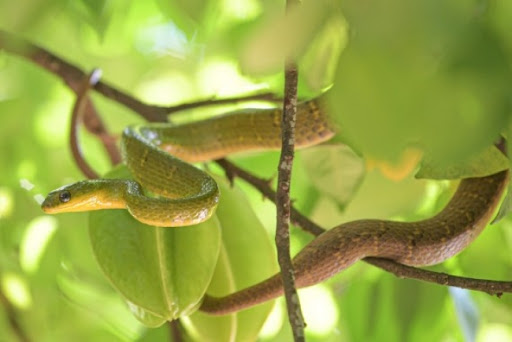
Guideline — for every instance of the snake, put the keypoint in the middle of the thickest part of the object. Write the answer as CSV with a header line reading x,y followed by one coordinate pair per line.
x,y
170,192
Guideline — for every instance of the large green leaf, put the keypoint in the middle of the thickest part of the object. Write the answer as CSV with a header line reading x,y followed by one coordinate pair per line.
x,y
248,258
426,74
162,272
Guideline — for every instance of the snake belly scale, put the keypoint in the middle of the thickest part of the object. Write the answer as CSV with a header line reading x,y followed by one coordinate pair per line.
x,y
187,195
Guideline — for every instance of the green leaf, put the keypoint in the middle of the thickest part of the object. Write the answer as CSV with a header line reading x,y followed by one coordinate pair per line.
x,y
506,205
187,15
334,170
420,74
485,163
163,272
249,258
206,328
98,13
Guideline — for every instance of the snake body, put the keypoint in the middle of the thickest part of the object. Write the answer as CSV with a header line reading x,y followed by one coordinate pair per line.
x,y
420,243
187,195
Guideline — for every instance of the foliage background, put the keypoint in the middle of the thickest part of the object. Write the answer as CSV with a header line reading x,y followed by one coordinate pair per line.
x,y
427,74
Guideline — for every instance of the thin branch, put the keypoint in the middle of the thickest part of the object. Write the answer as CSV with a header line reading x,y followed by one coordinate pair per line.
x,y
76,119
73,77
270,97
94,125
175,331
263,186
491,287
283,204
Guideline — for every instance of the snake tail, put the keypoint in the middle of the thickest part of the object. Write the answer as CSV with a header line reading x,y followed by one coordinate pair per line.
x,y
420,243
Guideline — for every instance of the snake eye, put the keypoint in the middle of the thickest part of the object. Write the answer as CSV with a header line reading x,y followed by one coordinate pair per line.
x,y
65,196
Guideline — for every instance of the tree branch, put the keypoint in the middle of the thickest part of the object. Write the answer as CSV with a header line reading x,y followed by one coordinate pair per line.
x,y
73,77
175,331
263,186
492,287
94,125
289,118
76,119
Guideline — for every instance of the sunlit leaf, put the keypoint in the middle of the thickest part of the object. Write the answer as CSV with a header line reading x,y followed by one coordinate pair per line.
x,y
489,161
163,271
318,65
283,36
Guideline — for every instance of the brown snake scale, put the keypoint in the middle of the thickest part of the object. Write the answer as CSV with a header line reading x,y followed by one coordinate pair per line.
x,y
420,243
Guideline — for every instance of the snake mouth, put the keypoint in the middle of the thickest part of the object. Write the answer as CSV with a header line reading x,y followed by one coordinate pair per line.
x,y
47,207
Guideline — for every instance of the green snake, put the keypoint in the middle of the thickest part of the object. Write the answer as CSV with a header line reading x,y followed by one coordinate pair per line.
x,y
187,195
155,156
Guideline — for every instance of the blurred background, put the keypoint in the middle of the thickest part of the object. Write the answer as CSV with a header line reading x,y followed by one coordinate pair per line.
x,y
407,79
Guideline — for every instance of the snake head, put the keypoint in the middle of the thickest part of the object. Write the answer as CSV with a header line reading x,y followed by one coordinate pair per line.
x,y
81,196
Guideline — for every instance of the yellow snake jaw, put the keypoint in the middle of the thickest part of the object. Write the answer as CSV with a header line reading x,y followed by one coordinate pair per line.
x,y
87,195
411,243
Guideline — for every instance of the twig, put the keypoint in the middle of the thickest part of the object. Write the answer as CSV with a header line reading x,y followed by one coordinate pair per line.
x,y
175,331
491,287
283,198
263,186
76,118
94,125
